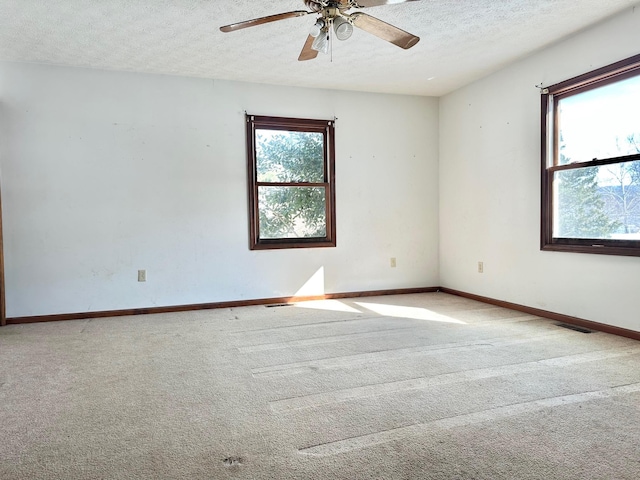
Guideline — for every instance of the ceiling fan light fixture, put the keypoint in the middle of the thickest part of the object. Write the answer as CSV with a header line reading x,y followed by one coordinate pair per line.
x,y
321,42
343,28
316,28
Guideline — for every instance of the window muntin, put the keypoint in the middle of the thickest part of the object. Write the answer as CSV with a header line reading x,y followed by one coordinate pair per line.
x,y
291,182
591,162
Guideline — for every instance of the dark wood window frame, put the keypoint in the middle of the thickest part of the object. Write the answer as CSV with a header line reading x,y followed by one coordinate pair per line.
x,y
327,128
3,310
615,72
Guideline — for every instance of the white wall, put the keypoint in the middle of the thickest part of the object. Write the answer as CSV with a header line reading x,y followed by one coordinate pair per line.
x,y
105,173
490,188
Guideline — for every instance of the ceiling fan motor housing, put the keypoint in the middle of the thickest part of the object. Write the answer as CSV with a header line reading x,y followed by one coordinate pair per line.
x,y
320,5
313,5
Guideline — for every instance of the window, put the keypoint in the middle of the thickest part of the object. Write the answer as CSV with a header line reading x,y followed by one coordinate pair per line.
x,y
591,162
291,182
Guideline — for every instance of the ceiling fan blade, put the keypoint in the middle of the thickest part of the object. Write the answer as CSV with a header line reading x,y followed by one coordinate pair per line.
x,y
376,3
307,52
262,20
384,30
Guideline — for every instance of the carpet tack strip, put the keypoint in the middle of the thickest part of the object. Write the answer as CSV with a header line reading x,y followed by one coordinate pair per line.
x,y
390,388
490,415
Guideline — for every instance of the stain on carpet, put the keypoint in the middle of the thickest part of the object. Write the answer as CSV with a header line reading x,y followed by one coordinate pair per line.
x,y
233,461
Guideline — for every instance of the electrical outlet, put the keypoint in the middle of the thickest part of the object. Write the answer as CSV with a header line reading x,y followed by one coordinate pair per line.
x,y
480,267
142,275
392,262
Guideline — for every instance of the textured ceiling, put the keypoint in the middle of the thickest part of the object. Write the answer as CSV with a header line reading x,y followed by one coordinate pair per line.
x,y
461,40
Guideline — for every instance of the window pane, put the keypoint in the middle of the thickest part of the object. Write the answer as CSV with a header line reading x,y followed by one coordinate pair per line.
x,y
286,156
292,212
600,123
598,202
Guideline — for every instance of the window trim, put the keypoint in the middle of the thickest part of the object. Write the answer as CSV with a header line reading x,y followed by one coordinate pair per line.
x,y
600,77
327,128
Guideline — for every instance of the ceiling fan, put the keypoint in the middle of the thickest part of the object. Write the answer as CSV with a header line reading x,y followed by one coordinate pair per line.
x,y
333,14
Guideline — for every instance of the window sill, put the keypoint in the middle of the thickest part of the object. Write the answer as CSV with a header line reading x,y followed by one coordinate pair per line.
x,y
598,250
278,244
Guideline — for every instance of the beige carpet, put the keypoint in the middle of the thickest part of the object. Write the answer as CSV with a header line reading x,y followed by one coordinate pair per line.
x,y
427,386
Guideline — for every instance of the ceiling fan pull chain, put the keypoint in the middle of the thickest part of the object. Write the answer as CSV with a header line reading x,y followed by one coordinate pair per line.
x,y
331,37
